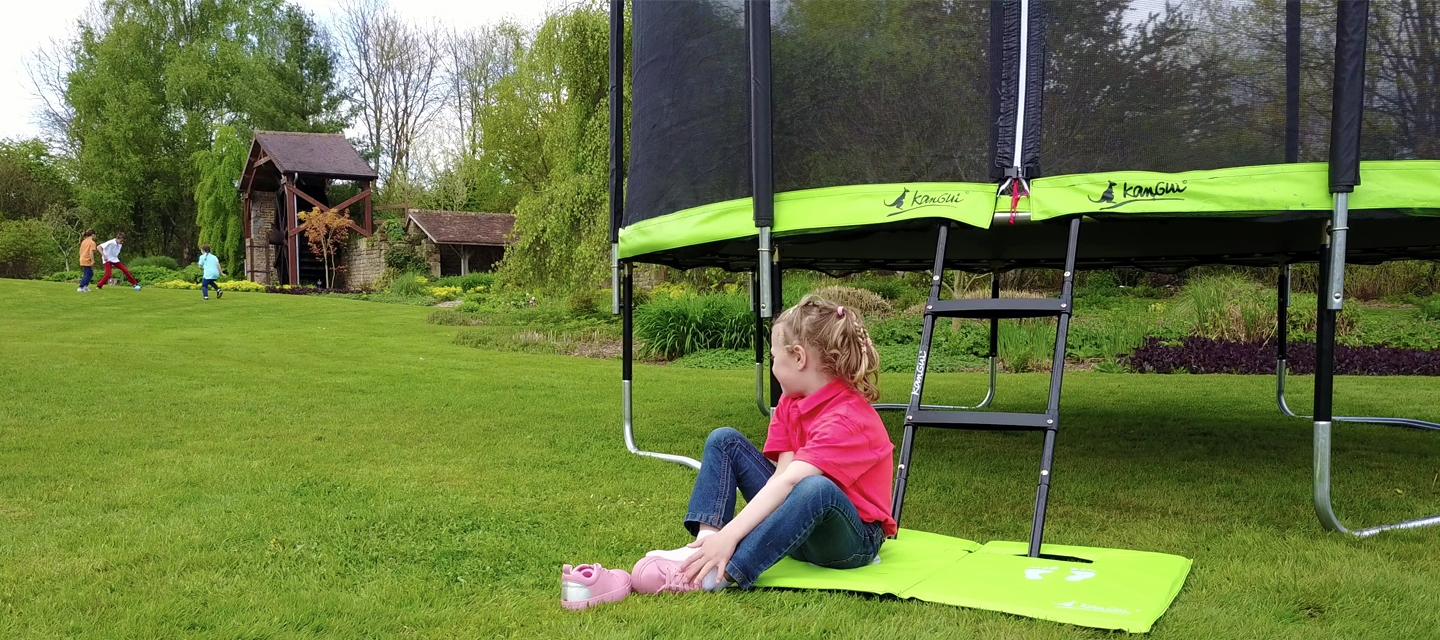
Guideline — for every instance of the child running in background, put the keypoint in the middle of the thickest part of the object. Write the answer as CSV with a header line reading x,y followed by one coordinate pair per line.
x,y
110,251
210,272
87,259
819,492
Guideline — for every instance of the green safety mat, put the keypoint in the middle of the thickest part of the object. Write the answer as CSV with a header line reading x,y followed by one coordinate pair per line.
x,y
1086,586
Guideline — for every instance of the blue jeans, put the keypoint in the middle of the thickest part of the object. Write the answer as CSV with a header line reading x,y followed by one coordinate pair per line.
x,y
210,282
89,274
816,523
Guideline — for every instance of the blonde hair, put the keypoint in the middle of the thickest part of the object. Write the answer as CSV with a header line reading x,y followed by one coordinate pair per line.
x,y
836,335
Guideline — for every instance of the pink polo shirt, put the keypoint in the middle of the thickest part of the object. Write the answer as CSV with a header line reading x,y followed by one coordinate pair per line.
x,y
838,431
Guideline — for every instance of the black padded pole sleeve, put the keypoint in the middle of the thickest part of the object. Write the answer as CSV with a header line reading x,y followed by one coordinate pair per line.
x,y
1292,80
617,62
1348,101
1005,46
762,177
1034,88
627,321
997,80
1324,345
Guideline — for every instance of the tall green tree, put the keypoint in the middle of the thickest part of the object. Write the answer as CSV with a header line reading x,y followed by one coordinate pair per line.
x,y
217,202
32,181
548,136
153,79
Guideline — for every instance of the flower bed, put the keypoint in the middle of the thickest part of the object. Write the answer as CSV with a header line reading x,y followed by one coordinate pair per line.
x,y
1204,355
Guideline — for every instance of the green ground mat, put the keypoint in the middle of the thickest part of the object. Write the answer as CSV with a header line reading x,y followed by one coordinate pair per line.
x,y
1101,588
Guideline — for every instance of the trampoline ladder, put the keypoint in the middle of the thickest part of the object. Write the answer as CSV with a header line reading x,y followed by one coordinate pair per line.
x,y
919,415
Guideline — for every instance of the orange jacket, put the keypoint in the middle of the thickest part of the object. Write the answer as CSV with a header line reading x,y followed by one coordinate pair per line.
x,y
87,248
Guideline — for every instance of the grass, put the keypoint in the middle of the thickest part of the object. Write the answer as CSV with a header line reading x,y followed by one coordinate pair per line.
x,y
273,466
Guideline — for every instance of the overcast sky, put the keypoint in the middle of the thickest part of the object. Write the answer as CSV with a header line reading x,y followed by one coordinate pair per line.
x,y
31,24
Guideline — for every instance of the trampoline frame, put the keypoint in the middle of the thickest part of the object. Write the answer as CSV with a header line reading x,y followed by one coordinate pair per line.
x,y
1347,105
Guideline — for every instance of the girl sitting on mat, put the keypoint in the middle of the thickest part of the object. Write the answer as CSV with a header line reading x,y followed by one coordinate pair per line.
x,y
819,492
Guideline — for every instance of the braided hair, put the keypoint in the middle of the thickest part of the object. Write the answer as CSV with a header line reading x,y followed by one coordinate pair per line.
x,y
837,336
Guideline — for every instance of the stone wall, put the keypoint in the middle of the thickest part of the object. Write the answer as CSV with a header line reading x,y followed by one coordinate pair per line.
x,y
260,254
364,261
431,251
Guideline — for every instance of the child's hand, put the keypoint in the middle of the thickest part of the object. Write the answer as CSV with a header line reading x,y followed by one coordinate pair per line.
x,y
715,551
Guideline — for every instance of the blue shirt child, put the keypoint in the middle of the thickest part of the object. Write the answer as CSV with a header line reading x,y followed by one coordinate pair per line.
x,y
211,266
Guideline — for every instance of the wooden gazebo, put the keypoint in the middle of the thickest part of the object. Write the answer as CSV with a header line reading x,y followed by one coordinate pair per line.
x,y
286,173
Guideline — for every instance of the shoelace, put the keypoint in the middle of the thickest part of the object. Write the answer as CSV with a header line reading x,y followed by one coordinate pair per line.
x,y
675,581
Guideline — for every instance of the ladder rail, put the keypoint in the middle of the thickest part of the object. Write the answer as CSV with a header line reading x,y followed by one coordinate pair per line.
x,y
1057,376
902,469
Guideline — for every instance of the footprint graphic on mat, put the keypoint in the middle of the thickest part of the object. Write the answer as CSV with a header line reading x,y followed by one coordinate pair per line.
x,y
1077,575
1036,573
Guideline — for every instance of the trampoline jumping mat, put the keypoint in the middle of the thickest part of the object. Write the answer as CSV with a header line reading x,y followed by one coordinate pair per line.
x,y
1085,586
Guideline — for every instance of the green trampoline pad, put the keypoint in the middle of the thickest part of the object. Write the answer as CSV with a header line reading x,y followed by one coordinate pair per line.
x,y
1085,586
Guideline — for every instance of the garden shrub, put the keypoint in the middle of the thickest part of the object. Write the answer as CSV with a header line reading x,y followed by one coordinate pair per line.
x,y
64,276
584,302
1429,307
443,293
149,275
892,331
890,288
469,281
718,359
241,285
180,284
164,262
25,249
869,304
1226,306
469,306
409,284
674,327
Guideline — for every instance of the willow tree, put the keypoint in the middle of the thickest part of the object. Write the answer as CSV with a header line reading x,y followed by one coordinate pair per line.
x,y
548,135
217,202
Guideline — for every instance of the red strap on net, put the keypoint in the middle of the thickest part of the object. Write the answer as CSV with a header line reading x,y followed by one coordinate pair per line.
x,y
1015,198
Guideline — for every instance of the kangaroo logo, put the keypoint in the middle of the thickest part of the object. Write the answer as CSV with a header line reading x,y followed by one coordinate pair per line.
x,y
899,202
1109,196
1140,193
919,200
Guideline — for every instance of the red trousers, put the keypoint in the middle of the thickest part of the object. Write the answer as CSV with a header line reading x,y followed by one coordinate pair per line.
x,y
105,280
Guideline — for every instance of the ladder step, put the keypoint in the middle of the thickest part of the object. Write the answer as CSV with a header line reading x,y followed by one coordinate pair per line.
x,y
984,420
999,308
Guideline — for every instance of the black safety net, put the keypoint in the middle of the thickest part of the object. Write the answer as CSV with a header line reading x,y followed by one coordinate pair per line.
x,y
1402,69
876,91
690,136
1160,85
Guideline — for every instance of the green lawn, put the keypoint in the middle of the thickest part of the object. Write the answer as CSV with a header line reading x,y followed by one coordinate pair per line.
x,y
269,466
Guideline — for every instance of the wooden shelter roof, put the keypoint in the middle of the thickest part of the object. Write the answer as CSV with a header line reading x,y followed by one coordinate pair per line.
x,y
327,155
464,227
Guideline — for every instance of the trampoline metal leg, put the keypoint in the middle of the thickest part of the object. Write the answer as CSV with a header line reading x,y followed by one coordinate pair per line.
x,y
1330,300
628,412
1323,509
760,390
1280,367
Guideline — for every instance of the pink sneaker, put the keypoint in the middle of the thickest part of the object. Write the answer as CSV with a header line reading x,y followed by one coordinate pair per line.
x,y
590,584
658,574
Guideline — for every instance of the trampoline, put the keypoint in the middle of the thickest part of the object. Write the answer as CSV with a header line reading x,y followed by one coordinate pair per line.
x,y
994,135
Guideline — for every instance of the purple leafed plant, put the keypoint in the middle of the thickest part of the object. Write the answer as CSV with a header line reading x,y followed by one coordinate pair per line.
x,y
1257,357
